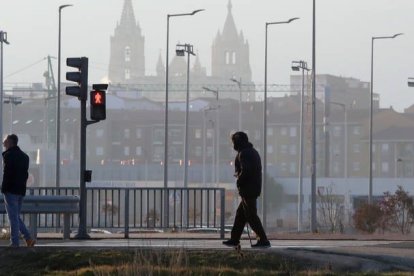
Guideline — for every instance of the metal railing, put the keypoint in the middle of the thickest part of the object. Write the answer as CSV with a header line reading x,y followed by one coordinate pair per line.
x,y
126,210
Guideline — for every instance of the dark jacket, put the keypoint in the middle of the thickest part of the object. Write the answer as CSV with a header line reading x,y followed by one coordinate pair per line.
x,y
248,169
15,171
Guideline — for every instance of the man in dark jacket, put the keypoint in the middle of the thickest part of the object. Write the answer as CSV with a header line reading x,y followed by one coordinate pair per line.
x,y
248,171
15,173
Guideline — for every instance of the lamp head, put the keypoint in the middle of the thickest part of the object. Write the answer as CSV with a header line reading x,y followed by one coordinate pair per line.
x,y
293,19
394,36
295,68
196,11
410,82
180,52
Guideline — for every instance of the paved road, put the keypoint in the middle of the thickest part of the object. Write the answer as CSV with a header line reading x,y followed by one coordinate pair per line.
x,y
207,243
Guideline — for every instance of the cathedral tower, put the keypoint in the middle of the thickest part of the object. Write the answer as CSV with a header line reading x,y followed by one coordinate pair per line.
x,y
127,60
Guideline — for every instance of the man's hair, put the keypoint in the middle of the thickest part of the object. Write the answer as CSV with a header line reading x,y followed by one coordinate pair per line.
x,y
13,138
240,136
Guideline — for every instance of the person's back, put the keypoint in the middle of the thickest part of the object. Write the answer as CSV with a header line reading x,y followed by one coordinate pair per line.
x,y
16,166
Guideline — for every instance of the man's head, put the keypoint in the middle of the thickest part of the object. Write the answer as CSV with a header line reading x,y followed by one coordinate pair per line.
x,y
10,141
240,140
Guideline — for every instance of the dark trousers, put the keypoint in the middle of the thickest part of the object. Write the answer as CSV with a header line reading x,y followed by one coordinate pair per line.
x,y
247,213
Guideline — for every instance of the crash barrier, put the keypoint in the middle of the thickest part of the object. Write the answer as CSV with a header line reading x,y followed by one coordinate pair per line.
x,y
134,210
35,205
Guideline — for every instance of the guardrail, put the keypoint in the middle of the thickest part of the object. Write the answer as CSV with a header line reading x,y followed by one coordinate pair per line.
x,y
126,210
48,204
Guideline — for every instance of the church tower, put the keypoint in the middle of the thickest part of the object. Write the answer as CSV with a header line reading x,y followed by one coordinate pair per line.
x,y
127,60
230,52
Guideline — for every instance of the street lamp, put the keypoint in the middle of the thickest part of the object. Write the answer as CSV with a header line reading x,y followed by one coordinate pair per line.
x,y
166,212
296,66
410,82
264,214
216,92
180,51
371,109
166,94
3,39
12,100
239,84
204,146
58,99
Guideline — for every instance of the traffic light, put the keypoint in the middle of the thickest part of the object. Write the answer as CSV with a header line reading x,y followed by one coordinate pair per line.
x,y
98,102
81,77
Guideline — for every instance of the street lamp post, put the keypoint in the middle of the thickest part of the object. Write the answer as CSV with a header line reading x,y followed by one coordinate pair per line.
x,y
371,109
180,51
296,66
58,99
313,222
239,84
166,212
216,92
264,176
3,39
204,145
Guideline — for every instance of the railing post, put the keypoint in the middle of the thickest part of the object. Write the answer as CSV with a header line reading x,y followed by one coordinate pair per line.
x,y
222,212
126,220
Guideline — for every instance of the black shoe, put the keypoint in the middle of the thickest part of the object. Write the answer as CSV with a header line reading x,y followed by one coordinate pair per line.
x,y
231,243
262,244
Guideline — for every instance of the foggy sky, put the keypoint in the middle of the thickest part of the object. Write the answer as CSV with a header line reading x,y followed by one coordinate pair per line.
x,y
344,31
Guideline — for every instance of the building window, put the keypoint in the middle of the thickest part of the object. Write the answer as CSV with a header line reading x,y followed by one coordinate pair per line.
x,y
283,131
356,166
127,74
126,151
138,150
99,132
337,131
227,57
292,168
292,131
127,54
283,149
284,167
269,149
269,131
209,151
292,149
385,147
138,133
126,133
357,130
198,151
385,167
234,57
356,148
99,151
198,133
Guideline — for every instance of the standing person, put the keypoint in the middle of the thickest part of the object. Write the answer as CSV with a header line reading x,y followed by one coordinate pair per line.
x,y
248,171
15,174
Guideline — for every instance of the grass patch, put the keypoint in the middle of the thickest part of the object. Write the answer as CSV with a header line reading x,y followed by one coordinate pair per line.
x,y
67,261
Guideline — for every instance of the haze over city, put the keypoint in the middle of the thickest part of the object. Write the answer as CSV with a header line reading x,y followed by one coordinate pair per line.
x,y
344,31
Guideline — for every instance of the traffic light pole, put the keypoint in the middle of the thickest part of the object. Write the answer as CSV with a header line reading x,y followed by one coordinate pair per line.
x,y
82,232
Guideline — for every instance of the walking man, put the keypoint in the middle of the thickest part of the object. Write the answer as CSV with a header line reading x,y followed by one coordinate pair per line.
x,y
248,171
15,174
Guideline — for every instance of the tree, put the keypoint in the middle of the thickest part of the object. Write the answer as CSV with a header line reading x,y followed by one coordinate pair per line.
x,y
331,210
368,218
398,210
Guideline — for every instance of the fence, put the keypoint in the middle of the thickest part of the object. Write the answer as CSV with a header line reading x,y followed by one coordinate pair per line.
x,y
133,209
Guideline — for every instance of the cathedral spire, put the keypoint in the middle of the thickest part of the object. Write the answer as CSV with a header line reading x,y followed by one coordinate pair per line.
x,y
229,29
128,17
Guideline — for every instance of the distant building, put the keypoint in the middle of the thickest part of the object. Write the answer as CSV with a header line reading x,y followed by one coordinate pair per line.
x,y
229,60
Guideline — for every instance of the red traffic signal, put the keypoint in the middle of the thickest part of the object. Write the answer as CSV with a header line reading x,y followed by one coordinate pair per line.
x,y
98,105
